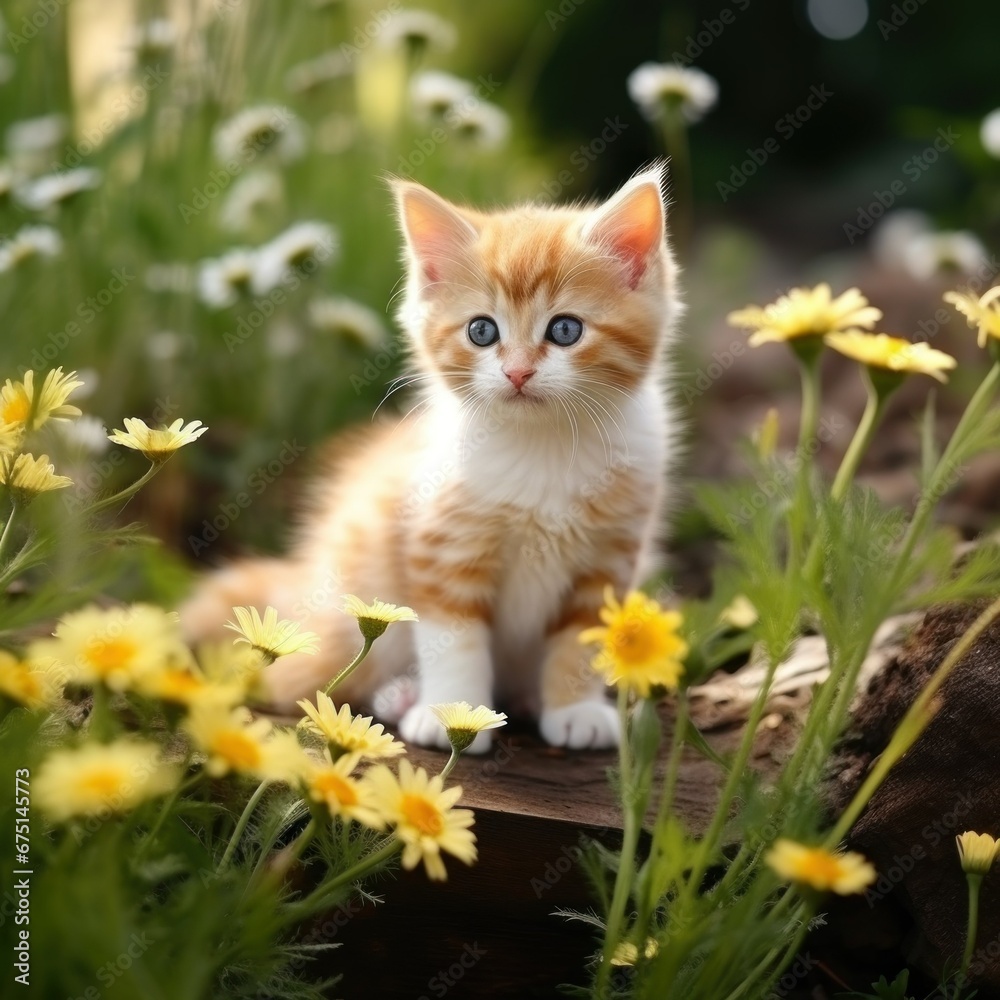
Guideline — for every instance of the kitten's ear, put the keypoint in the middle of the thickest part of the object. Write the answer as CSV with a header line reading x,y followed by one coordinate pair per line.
x,y
630,225
436,233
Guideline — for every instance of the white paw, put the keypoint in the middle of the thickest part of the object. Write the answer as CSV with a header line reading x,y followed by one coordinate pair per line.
x,y
392,700
421,726
584,725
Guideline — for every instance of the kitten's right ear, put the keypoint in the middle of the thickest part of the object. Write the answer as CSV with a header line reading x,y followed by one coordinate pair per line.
x,y
436,233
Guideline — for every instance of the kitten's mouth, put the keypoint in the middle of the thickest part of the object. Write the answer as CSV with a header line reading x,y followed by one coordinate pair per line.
x,y
522,398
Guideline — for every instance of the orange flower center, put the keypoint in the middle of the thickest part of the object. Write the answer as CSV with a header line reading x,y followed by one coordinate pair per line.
x,y
238,749
16,410
179,684
423,814
108,655
820,868
103,783
331,785
634,640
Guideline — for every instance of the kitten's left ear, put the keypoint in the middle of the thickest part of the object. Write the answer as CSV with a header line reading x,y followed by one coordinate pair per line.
x,y
436,233
630,225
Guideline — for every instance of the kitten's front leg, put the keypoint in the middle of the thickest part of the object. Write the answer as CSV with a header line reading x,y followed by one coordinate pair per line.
x,y
575,710
453,657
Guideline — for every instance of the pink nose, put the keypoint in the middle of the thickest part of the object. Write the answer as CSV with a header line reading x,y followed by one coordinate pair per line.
x,y
518,376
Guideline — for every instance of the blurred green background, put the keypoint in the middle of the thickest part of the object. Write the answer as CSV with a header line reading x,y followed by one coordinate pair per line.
x,y
123,174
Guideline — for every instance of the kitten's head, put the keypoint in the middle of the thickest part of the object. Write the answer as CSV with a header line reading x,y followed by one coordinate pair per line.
x,y
538,308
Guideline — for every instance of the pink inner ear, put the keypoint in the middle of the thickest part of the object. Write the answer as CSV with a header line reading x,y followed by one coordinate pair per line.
x,y
436,233
633,229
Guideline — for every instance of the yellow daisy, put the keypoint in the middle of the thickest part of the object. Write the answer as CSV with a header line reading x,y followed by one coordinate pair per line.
x,y
880,350
463,722
227,664
185,684
100,778
234,741
843,872
157,443
27,476
375,618
27,683
977,852
983,312
739,613
270,636
113,646
348,733
640,643
628,954
10,437
18,398
806,312
423,814
331,782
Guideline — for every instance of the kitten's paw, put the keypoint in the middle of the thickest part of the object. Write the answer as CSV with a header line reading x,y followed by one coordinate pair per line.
x,y
584,725
393,700
421,726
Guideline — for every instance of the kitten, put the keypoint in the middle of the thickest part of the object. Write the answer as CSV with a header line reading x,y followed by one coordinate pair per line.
x,y
530,476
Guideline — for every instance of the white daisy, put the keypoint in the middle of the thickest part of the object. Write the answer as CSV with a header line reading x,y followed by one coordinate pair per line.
x,y
483,124
29,242
53,189
415,31
314,73
891,238
652,85
222,280
433,93
989,133
265,129
35,135
344,317
250,196
928,253
303,245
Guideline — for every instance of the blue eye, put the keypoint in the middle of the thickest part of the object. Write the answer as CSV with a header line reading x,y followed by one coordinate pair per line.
x,y
483,331
564,330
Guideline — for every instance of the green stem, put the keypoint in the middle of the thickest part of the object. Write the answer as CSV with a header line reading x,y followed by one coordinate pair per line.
x,y
708,845
874,410
450,766
350,668
324,894
168,805
912,725
648,900
789,950
241,826
940,479
127,493
675,139
972,928
630,841
15,510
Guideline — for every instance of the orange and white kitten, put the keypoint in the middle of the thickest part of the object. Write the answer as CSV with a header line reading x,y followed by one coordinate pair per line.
x,y
531,475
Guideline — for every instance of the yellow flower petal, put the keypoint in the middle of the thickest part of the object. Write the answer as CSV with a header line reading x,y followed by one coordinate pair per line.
x,y
983,312
880,350
375,618
806,312
270,636
844,872
641,646
157,443
423,814
977,852
348,733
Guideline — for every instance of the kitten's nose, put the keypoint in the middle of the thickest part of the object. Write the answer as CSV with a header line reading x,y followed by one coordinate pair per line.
x,y
518,376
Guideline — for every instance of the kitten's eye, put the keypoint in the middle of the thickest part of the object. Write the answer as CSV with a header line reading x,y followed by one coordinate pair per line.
x,y
483,331
564,330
